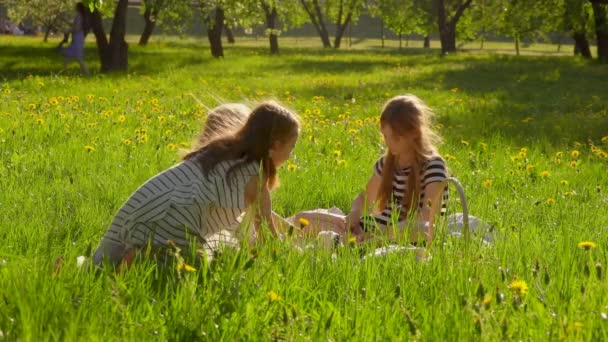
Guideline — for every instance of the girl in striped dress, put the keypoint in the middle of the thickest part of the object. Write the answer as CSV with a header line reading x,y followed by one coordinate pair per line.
x,y
406,181
208,191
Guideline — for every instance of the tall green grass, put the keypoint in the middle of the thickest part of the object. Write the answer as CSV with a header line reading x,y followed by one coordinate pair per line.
x,y
527,136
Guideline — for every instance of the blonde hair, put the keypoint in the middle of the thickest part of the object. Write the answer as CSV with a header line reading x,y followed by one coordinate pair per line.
x,y
221,120
406,115
268,123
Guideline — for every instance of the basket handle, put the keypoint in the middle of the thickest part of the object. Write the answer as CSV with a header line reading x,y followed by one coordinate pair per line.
x,y
463,202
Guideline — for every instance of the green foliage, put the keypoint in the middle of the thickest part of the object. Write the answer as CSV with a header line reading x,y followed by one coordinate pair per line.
x,y
173,15
50,14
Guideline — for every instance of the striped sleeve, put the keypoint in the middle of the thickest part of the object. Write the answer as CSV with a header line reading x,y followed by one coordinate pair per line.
x,y
378,167
434,170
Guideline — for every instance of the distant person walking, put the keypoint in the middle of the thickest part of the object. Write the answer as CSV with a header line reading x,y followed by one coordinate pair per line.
x,y
75,51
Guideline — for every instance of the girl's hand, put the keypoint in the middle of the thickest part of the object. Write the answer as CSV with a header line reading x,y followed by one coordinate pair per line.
x,y
353,220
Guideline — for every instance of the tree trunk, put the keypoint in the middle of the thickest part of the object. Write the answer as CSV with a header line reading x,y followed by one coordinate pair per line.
x,y
427,42
447,26
150,24
100,38
271,21
47,31
581,44
229,35
400,41
601,29
517,45
341,28
382,32
118,47
214,33
316,17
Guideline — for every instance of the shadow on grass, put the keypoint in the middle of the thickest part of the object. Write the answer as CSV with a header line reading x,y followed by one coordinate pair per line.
x,y
526,98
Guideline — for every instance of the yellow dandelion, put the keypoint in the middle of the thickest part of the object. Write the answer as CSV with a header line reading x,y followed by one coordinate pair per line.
x,y
515,158
464,142
342,116
574,154
7,91
564,182
573,164
522,155
31,106
519,287
359,122
602,154
154,102
127,142
353,131
559,154
341,162
523,150
545,174
487,300
484,146
352,240
168,132
316,111
89,148
53,101
40,121
550,201
90,97
605,139
291,167
274,297
530,168
487,183
587,245
92,124
450,157
182,266
303,222
161,119
172,147
122,118
337,153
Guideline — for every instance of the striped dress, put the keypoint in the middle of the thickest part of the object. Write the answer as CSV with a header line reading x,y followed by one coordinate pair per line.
x,y
179,204
433,170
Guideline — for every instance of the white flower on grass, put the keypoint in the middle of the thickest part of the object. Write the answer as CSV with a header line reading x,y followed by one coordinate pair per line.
x,y
80,261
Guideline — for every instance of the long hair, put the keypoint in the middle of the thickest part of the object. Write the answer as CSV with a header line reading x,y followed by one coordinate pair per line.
x,y
407,115
222,120
268,123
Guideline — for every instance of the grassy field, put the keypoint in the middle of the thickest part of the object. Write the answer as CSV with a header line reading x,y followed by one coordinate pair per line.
x,y
527,136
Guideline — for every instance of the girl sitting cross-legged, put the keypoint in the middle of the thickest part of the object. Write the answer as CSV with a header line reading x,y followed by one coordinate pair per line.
x,y
208,191
406,182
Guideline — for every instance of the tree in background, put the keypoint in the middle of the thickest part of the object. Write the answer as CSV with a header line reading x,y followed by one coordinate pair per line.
x,y
449,13
51,15
170,14
521,19
600,16
399,16
339,12
113,53
276,15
